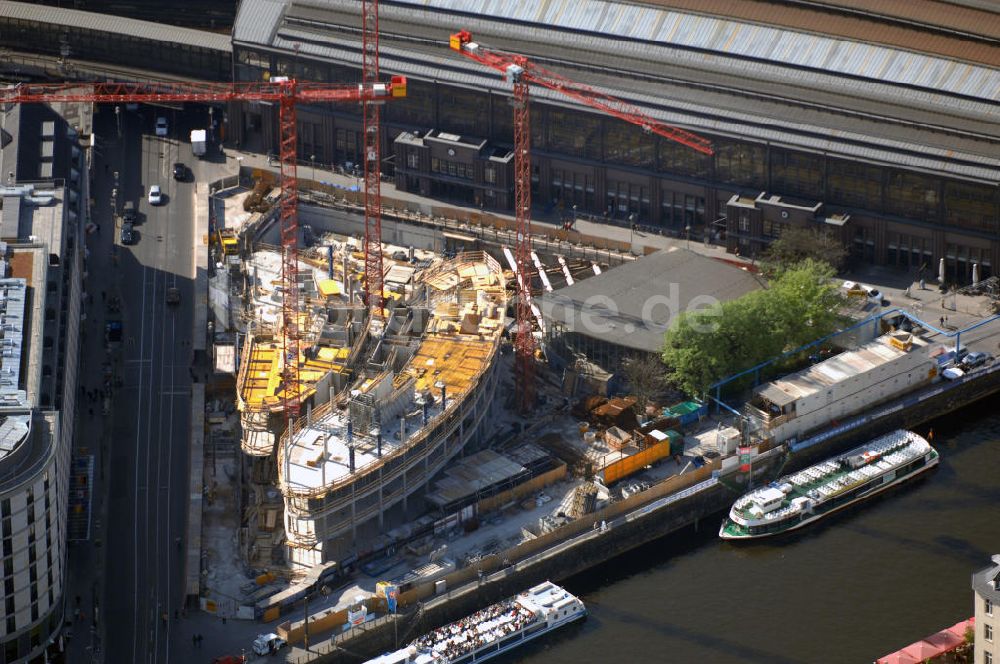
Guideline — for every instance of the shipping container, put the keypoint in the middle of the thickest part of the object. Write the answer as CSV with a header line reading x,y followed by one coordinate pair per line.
x,y
676,440
635,462
687,412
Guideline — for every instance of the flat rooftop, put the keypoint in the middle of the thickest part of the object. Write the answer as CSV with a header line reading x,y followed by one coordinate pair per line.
x,y
838,368
468,476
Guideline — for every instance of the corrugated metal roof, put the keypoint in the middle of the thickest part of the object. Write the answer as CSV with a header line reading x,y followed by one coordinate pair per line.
x,y
115,24
932,26
258,20
747,40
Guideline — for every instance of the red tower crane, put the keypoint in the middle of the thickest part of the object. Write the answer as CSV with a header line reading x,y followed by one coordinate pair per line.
x,y
522,72
287,93
371,111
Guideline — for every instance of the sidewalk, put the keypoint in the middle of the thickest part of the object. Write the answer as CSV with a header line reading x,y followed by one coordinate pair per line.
x,y
85,562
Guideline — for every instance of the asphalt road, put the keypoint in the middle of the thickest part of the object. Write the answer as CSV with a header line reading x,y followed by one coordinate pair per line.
x,y
148,464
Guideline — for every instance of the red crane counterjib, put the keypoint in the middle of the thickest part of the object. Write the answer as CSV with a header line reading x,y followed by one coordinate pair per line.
x,y
518,68
273,90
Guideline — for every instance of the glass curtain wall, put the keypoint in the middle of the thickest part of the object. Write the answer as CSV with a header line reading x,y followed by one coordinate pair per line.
x,y
970,206
797,174
628,145
463,111
676,159
741,164
572,133
914,196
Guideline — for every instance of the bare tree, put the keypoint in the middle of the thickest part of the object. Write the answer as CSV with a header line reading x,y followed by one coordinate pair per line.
x,y
646,376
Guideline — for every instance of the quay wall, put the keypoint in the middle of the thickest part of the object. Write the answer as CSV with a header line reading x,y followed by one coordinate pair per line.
x,y
555,561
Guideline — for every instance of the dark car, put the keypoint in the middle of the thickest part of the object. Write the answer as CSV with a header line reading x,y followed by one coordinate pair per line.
x,y
129,216
128,233
113,331
180,172
975,359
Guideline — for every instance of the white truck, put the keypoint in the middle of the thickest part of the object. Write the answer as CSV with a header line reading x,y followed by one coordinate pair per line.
x,y
267,644
198,141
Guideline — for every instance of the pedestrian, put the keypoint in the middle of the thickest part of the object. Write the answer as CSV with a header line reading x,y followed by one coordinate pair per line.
x,y
91,411
942,321
194,639
223,620
200,637
102,296
176,614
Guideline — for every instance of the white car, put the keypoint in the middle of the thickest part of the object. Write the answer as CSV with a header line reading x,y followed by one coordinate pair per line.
x,y
161,126
952,373
155,195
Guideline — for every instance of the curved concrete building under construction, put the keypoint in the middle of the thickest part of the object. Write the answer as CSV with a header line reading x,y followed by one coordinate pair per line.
x,y
422,396
384,413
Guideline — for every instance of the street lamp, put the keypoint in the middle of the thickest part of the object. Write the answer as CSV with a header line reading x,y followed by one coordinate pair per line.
x,y
687,229
631,227
312,158
574,215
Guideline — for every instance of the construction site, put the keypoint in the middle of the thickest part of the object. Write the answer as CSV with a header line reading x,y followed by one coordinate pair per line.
x,y
411,458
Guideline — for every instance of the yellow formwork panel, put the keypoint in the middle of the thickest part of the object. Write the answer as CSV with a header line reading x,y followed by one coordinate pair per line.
x,y
456,363
329,288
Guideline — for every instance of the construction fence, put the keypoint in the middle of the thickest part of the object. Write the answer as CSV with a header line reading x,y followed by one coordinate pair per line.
x,y
525,550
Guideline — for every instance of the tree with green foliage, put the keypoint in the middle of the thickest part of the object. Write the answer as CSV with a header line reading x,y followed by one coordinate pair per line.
x,y
797,244
706,345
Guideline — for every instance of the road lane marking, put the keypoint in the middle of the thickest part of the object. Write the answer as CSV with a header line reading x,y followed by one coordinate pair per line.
x,y
170,449
135,501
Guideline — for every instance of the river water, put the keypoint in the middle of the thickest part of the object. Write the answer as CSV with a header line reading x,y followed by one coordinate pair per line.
x,y
851,588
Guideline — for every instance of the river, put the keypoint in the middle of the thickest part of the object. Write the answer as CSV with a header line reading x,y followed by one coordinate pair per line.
x,y
858,585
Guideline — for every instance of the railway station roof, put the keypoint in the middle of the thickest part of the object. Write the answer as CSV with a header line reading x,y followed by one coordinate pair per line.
x,y
882,103
127,27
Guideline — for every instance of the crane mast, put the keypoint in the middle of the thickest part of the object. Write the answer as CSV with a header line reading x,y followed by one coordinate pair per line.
x,y
288,215
524,341
521,72
371,110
